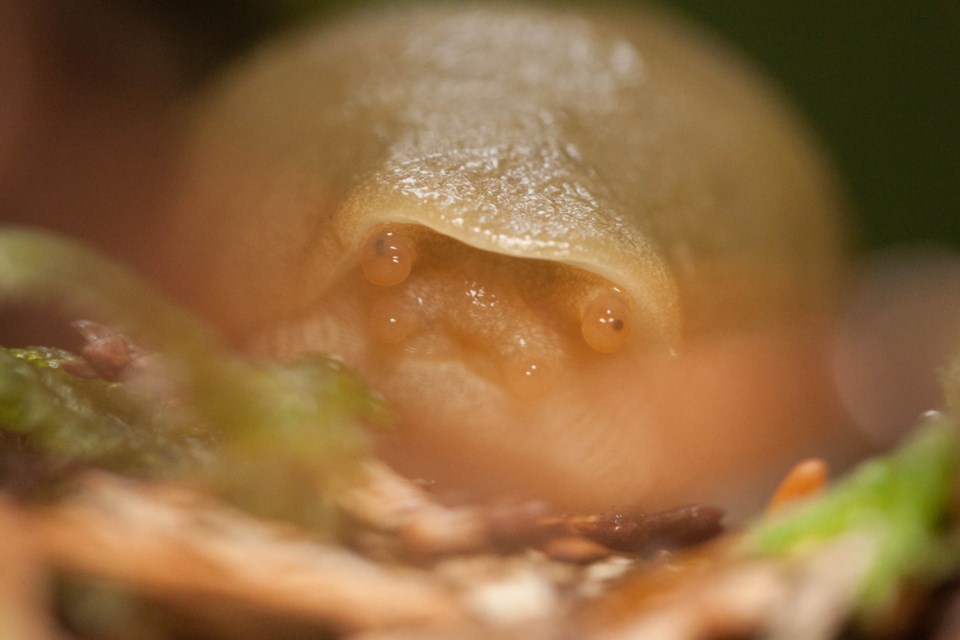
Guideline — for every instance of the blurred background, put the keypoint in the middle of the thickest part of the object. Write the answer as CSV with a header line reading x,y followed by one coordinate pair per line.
x,y
86,84
879,80
91,95
881,83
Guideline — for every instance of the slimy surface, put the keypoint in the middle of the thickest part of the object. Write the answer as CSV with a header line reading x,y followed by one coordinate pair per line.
x,y
585,253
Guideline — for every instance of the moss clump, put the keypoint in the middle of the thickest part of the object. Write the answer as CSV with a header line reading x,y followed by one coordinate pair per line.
x,y
274,438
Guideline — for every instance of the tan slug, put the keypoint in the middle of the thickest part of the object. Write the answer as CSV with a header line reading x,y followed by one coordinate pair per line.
x,y
579,250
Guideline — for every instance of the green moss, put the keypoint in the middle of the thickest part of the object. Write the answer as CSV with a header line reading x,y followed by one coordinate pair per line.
x,y
899,504
93,422
273,438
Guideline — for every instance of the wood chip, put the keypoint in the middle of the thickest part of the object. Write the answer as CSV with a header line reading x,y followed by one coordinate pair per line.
x,y
23,603
575,549
808,478
632,530
166,543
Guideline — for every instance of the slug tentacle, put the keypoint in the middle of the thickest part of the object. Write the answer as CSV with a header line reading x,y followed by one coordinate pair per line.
x,y
527,375
388,257
392,319
606,321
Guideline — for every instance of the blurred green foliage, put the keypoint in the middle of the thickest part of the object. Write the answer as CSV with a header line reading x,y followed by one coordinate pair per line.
x,y
881,83
282,435
897,509
91,422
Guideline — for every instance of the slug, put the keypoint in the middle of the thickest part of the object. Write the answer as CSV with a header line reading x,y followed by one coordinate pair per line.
x,y
582,251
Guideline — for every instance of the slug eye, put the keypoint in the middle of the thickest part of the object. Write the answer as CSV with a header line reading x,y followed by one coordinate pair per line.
x,y
605,322
388,258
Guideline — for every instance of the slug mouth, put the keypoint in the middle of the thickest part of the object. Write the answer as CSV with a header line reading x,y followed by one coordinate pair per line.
x,y
415,294
464,342
534,379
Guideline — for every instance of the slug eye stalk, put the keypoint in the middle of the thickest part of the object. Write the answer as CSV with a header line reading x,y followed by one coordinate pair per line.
x,y
388,258
606,323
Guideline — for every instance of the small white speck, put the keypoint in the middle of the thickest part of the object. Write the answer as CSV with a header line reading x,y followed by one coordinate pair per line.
x,y
520,597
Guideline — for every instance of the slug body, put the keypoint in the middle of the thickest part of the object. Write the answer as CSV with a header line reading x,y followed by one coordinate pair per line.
x,y
572,248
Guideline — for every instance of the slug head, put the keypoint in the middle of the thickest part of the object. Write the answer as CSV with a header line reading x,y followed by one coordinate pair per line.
x,y
573,248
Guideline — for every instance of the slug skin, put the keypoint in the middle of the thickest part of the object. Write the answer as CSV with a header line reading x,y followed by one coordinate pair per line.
x,y
582,252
